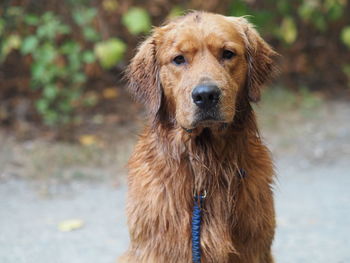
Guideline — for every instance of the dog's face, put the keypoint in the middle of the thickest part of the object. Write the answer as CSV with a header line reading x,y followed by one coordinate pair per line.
x,y
196,66
202,67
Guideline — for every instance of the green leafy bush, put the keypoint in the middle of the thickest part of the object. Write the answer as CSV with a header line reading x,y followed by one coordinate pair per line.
x,y
57,68
60,51
282,18
305,26
58,56
58,60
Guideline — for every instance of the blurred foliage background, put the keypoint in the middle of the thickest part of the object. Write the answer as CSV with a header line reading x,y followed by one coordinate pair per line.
x,y
61,62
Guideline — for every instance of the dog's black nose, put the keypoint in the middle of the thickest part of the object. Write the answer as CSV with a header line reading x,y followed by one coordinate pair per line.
x,y
206,96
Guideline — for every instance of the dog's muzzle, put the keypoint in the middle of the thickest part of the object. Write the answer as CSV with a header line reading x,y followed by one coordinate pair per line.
x,y
206,97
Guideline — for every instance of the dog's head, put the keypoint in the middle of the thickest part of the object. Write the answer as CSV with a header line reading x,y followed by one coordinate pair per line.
x,y
192,70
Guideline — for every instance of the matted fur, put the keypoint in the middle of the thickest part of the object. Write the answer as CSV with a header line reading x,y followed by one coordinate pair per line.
x,y
169,164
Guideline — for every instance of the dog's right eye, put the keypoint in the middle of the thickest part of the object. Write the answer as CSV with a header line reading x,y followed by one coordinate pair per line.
x,y
178,60
227,54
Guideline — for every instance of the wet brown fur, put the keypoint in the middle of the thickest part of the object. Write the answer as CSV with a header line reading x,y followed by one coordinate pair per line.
x,y
169,164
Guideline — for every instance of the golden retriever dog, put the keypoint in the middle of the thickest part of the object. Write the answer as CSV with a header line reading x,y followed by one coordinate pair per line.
x,y
197,76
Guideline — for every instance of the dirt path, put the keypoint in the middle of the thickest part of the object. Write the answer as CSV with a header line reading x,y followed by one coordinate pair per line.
x,y
312,201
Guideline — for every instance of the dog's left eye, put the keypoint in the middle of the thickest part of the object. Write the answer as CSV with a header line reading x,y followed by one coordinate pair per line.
x,y
227,54
178,60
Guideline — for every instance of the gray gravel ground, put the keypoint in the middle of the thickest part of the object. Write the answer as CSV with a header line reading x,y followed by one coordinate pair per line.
x,y
312,202
29,224
313,208
313,212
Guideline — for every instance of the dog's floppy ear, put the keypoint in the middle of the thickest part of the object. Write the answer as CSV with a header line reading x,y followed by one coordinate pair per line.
x,y
143,76
261,59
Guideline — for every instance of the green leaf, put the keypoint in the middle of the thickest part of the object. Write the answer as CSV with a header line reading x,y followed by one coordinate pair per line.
x,y
288,30
88,56
137,20
335,12
78,18
78,78
37,70
69,47
64,29
50,26
84,16
41,105
110,52
46,54
75,61
306,9
48,16
90,34
50,91
345,36
29,44
65,106
31,19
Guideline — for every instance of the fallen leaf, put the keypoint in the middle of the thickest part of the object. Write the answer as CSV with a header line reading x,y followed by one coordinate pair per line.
x,y
87,139
70,225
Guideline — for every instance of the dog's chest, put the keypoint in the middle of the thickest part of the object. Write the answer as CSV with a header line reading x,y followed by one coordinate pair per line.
x,y
236,210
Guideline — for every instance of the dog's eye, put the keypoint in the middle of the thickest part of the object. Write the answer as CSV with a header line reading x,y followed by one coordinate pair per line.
x,y
178,60
227,54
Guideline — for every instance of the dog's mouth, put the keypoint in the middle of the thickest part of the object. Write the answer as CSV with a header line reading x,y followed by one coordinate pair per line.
x,y
215,125
207,118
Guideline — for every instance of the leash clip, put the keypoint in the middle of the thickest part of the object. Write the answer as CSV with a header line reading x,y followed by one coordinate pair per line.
x,y
202,196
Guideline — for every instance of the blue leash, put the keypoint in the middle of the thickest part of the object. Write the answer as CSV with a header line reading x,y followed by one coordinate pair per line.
x,y
196,227
196,221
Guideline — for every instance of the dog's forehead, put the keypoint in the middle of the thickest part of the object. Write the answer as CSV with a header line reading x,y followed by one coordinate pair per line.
x,y
203,26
